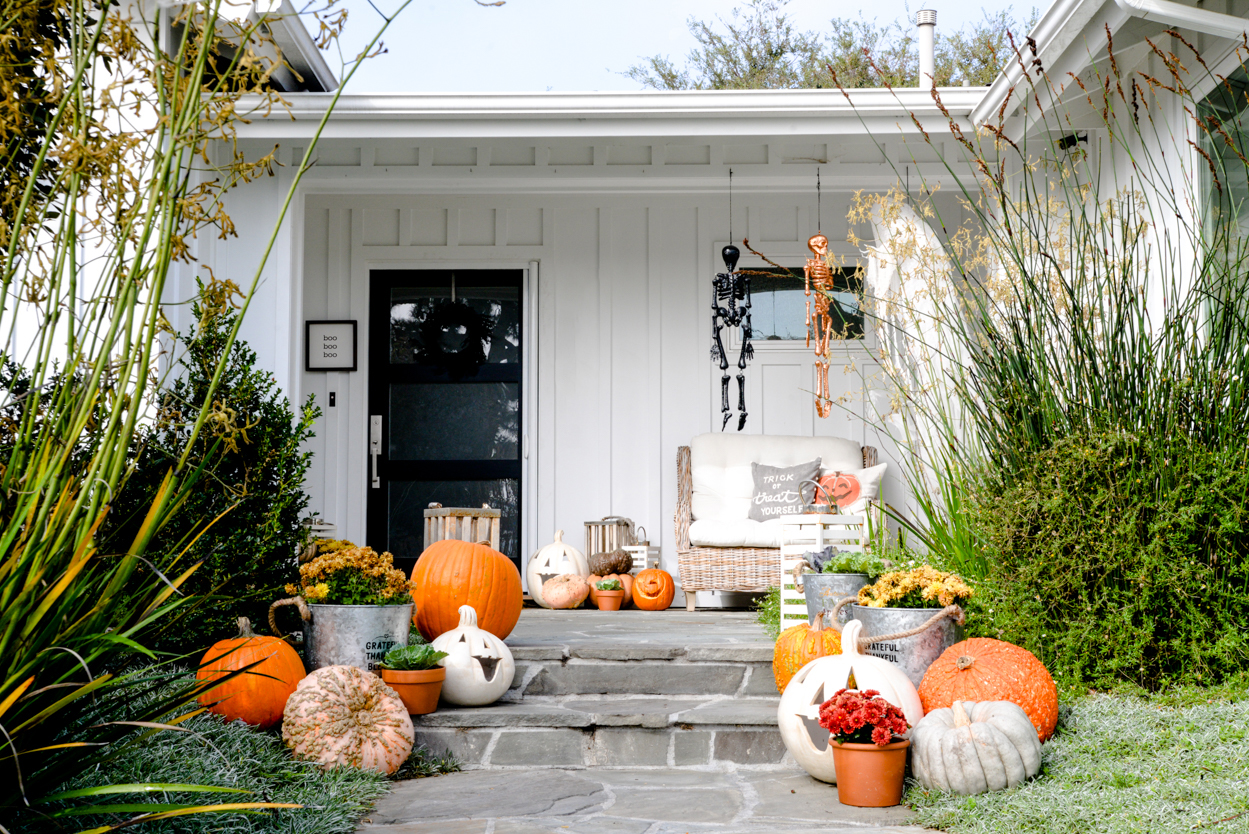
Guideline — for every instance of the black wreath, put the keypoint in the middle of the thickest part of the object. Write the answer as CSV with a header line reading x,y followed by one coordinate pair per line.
x,y
454,338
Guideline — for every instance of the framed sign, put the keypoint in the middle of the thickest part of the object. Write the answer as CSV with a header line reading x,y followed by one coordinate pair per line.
x,y
330,345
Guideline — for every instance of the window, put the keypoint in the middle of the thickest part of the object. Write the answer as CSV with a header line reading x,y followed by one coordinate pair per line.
x,y
1225,138
778,300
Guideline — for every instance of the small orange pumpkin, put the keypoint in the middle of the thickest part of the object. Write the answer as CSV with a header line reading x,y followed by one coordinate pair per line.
x,y
452,573
258,695
653,589
799,645
984,669
626,582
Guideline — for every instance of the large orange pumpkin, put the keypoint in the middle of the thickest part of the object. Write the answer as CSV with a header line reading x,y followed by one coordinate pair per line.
x,y
984,669
258,695
452,573
653,589
799,645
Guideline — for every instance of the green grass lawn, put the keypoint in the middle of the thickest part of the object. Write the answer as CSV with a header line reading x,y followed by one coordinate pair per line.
x,y
1122,763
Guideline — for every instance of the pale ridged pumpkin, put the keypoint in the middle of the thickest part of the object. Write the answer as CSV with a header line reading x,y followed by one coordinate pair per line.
x,y
975,747
984,669
565,591
258,695
625,580
653,589
799,645
452,573
342,715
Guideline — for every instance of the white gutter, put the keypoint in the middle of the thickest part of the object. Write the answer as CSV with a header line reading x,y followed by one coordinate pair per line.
x,y
1170,13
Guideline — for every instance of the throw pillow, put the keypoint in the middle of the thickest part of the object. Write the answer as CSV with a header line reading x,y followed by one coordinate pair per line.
x,y
777,490
852,490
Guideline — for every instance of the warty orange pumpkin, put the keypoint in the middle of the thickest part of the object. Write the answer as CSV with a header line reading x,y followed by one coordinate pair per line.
x,y
653,589
342,715
258,695
452,573
799,645
984,669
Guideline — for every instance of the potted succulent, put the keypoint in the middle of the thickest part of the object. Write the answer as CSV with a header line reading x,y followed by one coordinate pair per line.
x,y
903,601
833,574
869,753
608,594
414,672
355,604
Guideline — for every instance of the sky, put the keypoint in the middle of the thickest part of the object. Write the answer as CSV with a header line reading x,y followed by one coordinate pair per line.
x,y
568,45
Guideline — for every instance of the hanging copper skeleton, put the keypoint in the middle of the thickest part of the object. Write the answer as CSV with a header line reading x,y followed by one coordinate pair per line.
x,y
821,323
730,307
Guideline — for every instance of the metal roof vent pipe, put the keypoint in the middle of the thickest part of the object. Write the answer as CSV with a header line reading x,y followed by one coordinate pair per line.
x,y
926,20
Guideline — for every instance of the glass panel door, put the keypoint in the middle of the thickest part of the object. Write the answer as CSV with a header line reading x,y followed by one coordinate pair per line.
x,y
445,380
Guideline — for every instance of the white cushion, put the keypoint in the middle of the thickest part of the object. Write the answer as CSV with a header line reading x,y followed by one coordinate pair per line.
x,y
740,533
722,486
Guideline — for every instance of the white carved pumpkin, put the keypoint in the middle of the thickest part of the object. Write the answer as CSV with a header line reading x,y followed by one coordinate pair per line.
x,y
975,746
556,559
479,665
799,713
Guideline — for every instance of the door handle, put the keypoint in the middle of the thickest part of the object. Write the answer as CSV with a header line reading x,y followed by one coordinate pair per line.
x,y
375,446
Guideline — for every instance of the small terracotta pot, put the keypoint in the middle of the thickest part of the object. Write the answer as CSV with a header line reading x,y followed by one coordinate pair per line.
x,y
609,600
419,690
868,775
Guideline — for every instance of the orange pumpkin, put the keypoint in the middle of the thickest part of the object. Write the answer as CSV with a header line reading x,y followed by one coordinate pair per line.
x,y
626,582
258,695
653,589
799,645
983,669
452,573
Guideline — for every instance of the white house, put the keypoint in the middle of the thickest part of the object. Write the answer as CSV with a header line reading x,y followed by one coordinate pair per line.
x,y
589,225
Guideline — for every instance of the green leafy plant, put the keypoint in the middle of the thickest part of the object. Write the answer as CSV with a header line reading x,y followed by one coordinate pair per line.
x,y
609,585
412,658
252,470
768,612
834,560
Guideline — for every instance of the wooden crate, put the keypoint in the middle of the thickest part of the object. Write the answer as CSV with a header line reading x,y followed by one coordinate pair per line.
x,y
611,533
801,534
466,524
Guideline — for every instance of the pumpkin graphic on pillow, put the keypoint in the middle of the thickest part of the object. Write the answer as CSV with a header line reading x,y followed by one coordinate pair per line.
x,y
842,487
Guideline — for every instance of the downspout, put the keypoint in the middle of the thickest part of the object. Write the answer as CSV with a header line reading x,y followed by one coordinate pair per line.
x,y
926,20
1171,13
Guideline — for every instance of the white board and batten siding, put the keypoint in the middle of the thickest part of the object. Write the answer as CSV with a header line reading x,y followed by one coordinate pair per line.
x,y
619,262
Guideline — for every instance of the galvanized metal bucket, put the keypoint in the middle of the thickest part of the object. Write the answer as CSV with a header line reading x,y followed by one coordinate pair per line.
x,y
913,654
354,635
823,590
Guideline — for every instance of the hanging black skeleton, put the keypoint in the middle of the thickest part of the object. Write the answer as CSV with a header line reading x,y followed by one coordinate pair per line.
x,y
730,307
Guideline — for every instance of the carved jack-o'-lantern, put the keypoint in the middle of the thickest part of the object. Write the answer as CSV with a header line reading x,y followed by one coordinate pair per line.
x,y
556,559
479,665
799,711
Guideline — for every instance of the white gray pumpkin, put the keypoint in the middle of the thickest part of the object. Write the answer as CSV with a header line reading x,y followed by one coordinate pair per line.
x,y
556,559
480,668
974,747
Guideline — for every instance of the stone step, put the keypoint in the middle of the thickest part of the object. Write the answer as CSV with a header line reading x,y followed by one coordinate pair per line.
x,y
613,731
653,669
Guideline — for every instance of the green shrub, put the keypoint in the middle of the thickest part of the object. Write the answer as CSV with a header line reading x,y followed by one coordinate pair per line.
x,y
768,612
1110,571
253,472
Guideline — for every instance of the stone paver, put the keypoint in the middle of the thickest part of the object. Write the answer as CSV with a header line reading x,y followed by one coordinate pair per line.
x,y
626,801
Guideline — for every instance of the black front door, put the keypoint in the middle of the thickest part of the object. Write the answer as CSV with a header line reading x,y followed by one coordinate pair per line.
x,y
444,401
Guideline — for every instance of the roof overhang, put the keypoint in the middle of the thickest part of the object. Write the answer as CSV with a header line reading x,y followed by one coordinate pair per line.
x,y
700,113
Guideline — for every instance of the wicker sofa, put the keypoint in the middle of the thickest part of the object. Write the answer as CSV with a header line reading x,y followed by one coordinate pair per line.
x,y
720,464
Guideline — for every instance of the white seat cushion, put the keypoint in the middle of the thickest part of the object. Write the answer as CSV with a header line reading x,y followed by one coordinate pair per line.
x,y
740,533
722,486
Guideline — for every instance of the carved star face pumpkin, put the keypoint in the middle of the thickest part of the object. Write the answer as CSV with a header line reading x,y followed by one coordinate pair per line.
x,y
479,665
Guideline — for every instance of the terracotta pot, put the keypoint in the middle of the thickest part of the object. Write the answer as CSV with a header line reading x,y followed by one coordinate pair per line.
x,y
419,690
609,600
870,776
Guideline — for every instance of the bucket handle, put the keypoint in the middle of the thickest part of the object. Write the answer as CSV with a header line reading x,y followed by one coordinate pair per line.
x,y
819,487
297,602
798,568
953,612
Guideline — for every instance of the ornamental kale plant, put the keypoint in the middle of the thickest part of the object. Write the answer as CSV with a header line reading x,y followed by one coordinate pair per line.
x,y
854,717
412,658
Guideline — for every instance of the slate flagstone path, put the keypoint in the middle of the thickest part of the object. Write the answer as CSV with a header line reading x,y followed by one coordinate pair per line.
x,y
626,801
